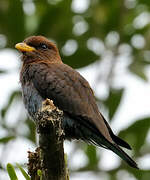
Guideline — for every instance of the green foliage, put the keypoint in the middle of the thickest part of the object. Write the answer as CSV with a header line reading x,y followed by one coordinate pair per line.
x,y
136,133
6,139
12,173
26,176
39,173
57,20
92,157
113,101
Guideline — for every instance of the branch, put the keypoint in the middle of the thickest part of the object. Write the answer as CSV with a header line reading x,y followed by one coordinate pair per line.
x,y
48,122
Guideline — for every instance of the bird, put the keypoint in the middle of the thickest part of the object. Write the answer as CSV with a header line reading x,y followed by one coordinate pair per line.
x,y
43,75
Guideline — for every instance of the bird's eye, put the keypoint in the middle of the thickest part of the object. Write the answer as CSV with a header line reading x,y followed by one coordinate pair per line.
x,y
43,46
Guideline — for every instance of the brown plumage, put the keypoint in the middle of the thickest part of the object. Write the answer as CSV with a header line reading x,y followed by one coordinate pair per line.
x,y
44,75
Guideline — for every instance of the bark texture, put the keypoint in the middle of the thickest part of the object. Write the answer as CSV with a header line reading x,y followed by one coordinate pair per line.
x,y
52,163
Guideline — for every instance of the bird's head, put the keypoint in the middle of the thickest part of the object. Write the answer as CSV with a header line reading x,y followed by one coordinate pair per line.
x,y
38,48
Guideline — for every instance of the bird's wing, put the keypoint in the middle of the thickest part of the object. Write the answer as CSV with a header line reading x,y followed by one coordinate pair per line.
x,y
69,91
72,94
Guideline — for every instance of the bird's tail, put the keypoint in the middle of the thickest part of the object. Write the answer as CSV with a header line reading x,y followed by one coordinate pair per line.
x,y
87,132
115,138
102,141
116,149
97,138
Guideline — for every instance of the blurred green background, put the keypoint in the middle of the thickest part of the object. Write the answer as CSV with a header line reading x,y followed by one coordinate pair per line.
x,y
107,41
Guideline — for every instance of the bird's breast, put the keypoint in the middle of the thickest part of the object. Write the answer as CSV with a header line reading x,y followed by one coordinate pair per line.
x,y
31,98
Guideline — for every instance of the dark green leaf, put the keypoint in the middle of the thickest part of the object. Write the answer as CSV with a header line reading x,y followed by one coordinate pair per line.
x,y
6,139
139,70
140,174
136,133
113,101
12,21
52,27
92,157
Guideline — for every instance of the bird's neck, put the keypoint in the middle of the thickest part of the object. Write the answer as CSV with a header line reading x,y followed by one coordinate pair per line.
x,y
50,58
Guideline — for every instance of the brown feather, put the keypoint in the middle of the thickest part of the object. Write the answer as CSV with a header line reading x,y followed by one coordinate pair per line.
x,y
44,75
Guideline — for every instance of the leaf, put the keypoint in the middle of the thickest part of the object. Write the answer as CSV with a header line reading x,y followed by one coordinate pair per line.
x,y
11,172
140,174
138,69
39,172
6,139
26,176
60,31
92,157
12,23
113,101
136,133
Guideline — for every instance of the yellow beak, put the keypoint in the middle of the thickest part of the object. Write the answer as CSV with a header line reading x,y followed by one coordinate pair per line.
x,y
23,47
